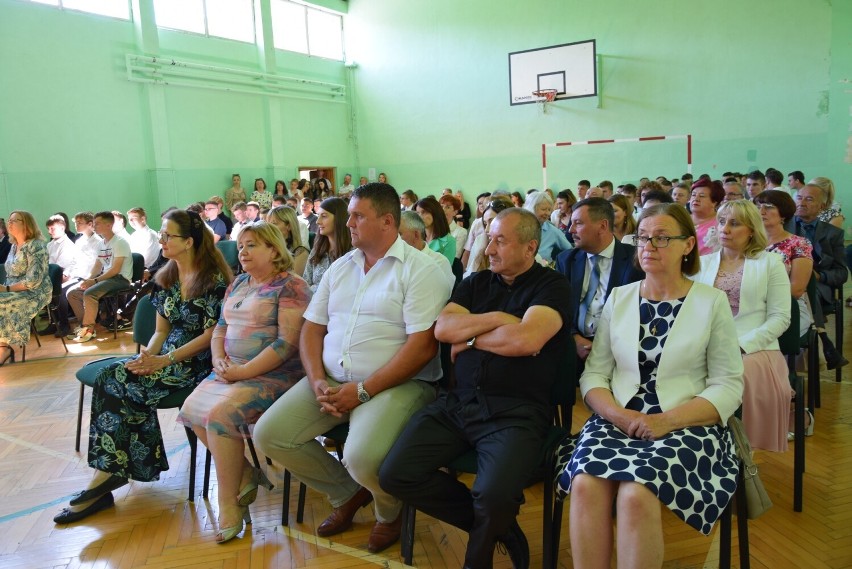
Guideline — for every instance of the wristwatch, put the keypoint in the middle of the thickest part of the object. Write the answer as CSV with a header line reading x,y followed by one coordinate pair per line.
x,y
363,396
472,342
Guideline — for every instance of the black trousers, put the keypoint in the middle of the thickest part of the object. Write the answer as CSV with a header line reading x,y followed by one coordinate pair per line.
x,y
508,447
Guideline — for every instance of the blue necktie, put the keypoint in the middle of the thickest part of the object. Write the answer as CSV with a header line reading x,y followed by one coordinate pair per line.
x,y
594,281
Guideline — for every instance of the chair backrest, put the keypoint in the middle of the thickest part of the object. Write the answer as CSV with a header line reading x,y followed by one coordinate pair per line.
x,y
458,271
229,252
144,321
138,267
311,238
788,342
564,392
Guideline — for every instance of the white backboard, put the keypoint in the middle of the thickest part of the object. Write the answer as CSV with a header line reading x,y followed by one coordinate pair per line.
x,y
569,68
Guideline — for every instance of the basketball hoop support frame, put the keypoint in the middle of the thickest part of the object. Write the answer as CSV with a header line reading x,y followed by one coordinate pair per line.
x,y
545,146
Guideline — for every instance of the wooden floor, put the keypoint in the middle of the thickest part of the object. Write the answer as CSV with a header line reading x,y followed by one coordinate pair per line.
x,y
154,526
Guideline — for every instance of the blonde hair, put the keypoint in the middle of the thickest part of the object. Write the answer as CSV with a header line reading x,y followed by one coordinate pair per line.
x,y
31,230
270,235
747,213
287,215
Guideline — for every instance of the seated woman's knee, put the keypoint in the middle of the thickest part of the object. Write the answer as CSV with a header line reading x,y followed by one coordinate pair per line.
x,y
636,501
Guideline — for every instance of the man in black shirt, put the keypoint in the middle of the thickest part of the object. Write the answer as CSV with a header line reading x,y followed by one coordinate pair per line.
x,y
509,331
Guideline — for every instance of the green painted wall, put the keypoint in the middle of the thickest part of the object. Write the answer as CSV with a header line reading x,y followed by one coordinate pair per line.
x,y
76,134
745,78
758,84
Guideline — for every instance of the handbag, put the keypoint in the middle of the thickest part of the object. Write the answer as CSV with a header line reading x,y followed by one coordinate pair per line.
x,y
757,500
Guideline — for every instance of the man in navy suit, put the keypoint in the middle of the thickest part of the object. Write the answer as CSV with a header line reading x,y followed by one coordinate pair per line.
x,y
596,265
829,261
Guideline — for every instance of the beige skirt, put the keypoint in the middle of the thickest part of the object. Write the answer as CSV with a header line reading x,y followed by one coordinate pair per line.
x,y
766,400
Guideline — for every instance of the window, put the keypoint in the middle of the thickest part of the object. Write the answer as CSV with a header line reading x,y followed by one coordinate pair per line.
x,y
112,8
231,19
301,28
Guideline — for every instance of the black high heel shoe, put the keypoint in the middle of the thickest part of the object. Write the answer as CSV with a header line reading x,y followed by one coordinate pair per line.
x,y
9,356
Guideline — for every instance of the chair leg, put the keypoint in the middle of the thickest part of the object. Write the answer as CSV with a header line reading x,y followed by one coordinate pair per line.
x,y
207,461
285,508
742,523
300,509
193,454
35,332
725,537
253,453
79,417
407,540
838,331
798,445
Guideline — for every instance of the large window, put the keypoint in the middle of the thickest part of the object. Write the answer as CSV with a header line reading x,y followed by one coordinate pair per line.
x,y
231,19
112,8
305,29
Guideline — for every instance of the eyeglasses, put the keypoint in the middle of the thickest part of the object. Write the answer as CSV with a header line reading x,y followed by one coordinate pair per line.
x,y
765,206
168,236
15,220
658,241
733,196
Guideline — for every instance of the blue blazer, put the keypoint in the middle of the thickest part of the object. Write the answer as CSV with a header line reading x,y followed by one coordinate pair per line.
x,y
829,258
573,265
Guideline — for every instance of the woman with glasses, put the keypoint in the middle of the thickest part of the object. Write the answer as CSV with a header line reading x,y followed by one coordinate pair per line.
x,y
27,288
125,441
758,291
706,197
661,389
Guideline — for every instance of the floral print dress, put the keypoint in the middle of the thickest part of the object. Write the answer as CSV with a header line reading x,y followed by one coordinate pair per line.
x,y
27,264
124,434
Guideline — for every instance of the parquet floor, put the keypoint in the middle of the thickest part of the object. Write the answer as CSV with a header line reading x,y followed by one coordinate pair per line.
x,y
154,526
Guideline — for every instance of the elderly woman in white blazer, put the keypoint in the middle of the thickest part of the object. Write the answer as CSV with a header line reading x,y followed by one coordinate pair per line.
x,y
663,376
758,289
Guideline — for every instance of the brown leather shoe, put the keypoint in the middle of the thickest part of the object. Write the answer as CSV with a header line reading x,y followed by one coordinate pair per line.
x,y
341,518
384,535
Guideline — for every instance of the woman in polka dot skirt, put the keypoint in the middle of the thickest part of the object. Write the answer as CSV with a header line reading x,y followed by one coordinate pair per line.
x,y
663,376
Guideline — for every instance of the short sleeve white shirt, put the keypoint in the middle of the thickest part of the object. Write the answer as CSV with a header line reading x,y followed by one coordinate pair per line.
x,y
146,242
86,250
113,249
369,316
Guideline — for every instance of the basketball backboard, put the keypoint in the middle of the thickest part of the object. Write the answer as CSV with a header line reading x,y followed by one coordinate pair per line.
x,y
569,68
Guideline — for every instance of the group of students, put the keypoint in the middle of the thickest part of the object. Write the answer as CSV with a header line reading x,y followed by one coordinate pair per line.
x,y
239,340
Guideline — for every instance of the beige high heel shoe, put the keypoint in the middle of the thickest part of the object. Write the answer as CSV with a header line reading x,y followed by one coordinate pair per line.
x,y
248,494
227,534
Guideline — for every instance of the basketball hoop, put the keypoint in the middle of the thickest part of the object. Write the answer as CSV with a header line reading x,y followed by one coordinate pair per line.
x,y
545,95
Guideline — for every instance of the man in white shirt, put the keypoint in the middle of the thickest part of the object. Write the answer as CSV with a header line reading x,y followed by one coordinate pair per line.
x,y
347,188
240,217
143,240
413,231
112,271
369,350
86,249
60,249
119,226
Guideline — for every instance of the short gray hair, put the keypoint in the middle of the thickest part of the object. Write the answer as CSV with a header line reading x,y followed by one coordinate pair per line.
x,y
536,198
528,229
412,220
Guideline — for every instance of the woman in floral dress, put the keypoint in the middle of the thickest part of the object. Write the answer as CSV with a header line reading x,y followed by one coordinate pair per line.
x,y
125,441
27,288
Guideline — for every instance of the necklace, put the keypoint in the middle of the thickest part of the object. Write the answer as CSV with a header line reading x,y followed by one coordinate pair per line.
x,y
248,292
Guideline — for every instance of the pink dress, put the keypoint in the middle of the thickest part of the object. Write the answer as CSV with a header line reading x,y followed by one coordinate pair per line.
x,y
766,393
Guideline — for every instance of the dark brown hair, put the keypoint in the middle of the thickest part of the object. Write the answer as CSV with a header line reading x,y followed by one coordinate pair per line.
x,y
342,238
440,225
209,262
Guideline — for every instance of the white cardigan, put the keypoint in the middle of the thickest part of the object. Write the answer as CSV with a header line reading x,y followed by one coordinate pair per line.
x,y
700,359
764,312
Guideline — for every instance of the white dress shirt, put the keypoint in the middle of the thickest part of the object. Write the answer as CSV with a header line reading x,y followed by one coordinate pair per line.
x,y
370,316
85,254
60,251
